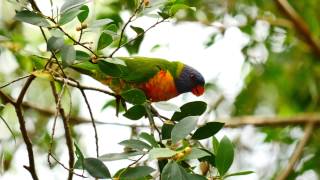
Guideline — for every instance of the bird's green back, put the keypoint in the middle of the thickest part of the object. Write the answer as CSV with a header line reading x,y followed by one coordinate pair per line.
x,y
137,69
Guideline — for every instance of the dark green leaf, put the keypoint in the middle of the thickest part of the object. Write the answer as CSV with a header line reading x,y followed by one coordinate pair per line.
x,y
55,43
225,155
238,174
109,69
68,55
149,138
173,171
135,112
136,144
196,153
183,128
96,168
196,177
31,18
112,103
207,130
166,130
104,40
70,4
134,96
136,172
161,153
80,157
134,46
82,16
119,156
69,15
195,108
82,56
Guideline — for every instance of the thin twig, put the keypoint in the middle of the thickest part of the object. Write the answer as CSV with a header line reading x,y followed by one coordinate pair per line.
x,y
58,105
300,25
125,26
67,130
62,165
92,121
296,156
16,80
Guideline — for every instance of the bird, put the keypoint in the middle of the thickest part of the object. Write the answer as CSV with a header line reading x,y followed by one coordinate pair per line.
x,y
158,78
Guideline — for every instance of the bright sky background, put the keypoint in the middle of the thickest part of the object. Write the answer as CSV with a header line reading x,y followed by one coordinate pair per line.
x,y
223,61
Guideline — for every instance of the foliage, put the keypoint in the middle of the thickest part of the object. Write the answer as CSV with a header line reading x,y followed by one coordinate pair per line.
x,y
281,79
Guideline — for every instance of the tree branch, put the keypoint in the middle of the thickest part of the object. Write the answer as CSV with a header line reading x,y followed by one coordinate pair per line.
x,y
300,25
67,131
18,108
297,152
270,121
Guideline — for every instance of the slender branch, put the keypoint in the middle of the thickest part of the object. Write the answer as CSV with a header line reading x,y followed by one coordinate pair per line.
x,y
67,130
18,108
92,121
62,165
297,152
125,26
270,121
77,85
138,35
300,25
16,80
58,105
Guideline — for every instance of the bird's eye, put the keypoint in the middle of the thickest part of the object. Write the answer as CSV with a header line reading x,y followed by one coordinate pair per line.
x,y
192,77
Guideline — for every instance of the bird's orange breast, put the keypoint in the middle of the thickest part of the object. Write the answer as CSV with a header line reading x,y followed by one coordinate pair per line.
x,y
160,87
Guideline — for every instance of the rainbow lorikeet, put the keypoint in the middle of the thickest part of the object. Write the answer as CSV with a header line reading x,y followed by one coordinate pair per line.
x,y
159,79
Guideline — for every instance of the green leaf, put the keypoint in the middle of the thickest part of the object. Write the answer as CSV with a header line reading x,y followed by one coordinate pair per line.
x,y
96,168
195,108
149,138
68,55
6,124
136,172
207,130
196,153
177,7
31,18
71,4
55,43
161,153
69,15
167,106
100,22
136,144
114,60
215,145
112,103
109,69
173,171
119,156
225,155
82,16
82,56
135,112
134,46
166,130
196,177
134,96
104,40
80,157
241,173
183,128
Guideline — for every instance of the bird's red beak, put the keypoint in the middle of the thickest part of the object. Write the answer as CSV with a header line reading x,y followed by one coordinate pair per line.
x,y
198,90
